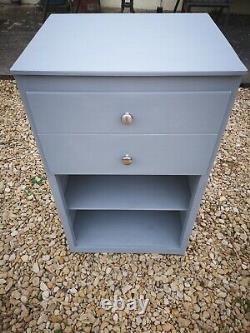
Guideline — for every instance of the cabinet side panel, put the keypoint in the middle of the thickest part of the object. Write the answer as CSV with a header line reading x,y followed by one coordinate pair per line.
x,y
200,187
56,188
234,90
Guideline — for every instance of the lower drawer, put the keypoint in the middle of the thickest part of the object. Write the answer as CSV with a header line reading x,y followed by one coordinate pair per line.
x,y
151,154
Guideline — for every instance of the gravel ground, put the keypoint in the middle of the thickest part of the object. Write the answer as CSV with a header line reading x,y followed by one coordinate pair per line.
x,y
45,288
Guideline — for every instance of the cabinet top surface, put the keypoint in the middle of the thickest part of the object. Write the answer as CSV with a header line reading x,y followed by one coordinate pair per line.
x,y
129,45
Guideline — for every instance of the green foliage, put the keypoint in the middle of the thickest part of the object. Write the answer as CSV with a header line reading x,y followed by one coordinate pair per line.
x,y
244,303
37,180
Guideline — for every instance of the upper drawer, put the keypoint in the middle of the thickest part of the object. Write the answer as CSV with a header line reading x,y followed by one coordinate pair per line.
x,y
155,154
99,112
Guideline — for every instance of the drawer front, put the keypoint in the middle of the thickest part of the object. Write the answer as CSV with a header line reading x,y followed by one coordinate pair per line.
x,y
157,112
151,154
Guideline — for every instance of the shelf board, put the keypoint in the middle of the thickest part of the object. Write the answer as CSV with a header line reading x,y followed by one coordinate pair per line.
x,y
128,192
128,231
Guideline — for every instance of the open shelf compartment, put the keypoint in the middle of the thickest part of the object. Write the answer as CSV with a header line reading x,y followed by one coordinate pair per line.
x,y
97,192
128,231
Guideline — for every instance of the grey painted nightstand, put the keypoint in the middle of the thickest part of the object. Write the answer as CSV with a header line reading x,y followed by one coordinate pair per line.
x,y
128,112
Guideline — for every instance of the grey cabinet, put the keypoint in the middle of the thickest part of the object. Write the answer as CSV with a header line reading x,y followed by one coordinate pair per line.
x,y
128,128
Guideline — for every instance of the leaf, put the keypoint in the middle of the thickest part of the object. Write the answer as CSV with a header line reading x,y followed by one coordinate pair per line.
x,y
37,180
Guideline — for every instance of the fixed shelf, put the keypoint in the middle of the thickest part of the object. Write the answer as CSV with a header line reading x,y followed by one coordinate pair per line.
x,y
127,192
128,231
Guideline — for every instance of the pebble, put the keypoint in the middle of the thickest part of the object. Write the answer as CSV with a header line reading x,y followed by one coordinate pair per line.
x,y
222,294
35,267
1,186
12,257
25,258
205,315
24,299
183,322
115,317
14,233
197,308
16,294
73,290
43,286
42,319
169,271
36,281
168,327
45,294
126,288
108,270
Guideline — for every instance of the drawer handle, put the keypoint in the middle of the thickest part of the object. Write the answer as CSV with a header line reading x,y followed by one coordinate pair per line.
x,y
127,160
127,118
